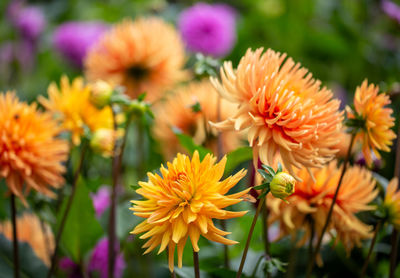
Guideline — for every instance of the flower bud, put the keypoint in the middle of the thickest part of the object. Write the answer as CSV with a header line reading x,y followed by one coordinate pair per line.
x,y
282,185
101,93
103,141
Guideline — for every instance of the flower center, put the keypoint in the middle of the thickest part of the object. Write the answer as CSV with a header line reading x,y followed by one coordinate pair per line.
x,y
138,72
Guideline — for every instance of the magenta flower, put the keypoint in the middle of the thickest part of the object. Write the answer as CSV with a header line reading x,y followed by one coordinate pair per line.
x,y
101,200
70,268
209,29
98,263
73,39
391,9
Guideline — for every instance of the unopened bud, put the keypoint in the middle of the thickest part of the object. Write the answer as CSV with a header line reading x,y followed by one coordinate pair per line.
x,y
103,141
101,93
282,185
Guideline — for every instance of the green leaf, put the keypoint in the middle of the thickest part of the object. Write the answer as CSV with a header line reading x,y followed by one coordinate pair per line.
x,y
236,157
266,175
142,96
269,169
188,143
279,168
82,230
196,107
30,265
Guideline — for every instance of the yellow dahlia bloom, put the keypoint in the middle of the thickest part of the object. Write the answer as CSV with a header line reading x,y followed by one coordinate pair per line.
x,y
72,106
283,107
311,202
30,230
145,55
392,203
369,107
30,153
182,203
189,109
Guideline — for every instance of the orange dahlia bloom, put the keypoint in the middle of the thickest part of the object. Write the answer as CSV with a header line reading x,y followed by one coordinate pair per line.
x,y
310,203
145,56
30,153
392,203
72,106
182,203
283,108
34,232
369,107
190,109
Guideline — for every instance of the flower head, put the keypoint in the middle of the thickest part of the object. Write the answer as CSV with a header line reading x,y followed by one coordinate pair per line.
x,y
283,109
30,153
282,185
309,205
71,104
38,235
101,93
99,260
101,200
391,9
190,109
103,141
392,203
145,56
372,119
209,29
73,39
182,203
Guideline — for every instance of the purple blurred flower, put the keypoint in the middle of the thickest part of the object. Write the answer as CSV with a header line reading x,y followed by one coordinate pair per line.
x,y
391,9
209,29
70,268
376,162
29,20
101,200
99,260
73,39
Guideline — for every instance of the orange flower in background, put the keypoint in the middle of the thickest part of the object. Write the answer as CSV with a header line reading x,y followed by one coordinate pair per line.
x,y
310,203
145,56
283,108
72,106
392,203
190,109
30,230
182,203
369,107
30,153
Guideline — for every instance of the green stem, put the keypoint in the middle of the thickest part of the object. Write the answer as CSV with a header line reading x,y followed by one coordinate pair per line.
x,y
15,236
253,224
371,248
328,218
196,264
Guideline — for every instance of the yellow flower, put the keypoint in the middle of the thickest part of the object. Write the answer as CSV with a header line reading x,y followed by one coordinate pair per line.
x,y
189,109
392,203
369,107
30,153
282,185
310,203
145,56
71,105
38,235
182,203
101,92
283,108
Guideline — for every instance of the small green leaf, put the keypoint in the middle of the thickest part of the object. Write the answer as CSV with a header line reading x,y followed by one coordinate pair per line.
x,y
266,175
279,168
188,143
261,186
236,157
269,169
142,96
196,107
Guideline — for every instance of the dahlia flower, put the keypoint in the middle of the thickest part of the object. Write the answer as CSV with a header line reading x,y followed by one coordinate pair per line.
x,y
209,29
310,203
73,39
392,203
189,109
373,119
283,109
182,203
30,153
145,56
30,230
71,104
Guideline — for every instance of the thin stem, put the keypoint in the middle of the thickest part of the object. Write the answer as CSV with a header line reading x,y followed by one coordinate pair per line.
x,y
265,228
328,218
312,235
173,274
67,209
196,264
256,267
116,168
246,248
371,248
15,236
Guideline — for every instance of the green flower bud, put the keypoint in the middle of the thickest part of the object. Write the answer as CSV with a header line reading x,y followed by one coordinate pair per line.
x,y
101,93
282,185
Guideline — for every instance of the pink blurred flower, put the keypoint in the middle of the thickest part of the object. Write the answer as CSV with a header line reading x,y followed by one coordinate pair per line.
x,y
101,200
